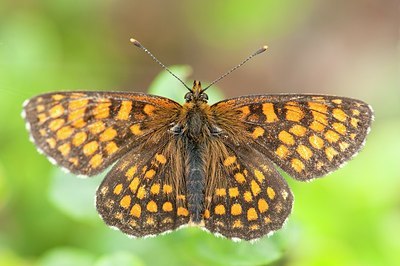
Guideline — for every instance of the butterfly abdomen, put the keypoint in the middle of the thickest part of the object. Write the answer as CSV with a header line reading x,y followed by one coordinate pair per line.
x,y
195,181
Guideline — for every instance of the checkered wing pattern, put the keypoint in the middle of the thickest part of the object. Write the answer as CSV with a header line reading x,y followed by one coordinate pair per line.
x,y
85,132
246,198
144,195
307,136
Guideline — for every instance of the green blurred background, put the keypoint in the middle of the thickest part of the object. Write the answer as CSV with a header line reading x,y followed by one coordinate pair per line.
x,y
348,48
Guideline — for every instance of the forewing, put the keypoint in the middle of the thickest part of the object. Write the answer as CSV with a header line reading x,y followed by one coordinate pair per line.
x,y
85,132
246,198
143,194
306,135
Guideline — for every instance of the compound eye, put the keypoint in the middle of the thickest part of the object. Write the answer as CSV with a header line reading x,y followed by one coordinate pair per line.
x,y
204,97
188,96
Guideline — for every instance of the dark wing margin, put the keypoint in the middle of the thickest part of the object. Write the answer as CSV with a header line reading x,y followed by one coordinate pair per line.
x,y
307,136
85,132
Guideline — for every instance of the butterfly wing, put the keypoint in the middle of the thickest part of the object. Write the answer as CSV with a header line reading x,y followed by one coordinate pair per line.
x,y
246,197
305,135
143,194
85,132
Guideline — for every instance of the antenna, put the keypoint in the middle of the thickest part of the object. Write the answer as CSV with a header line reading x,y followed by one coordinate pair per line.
x,y
138,44
259,51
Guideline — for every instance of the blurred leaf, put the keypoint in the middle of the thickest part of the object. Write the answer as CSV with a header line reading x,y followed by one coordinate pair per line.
x,y
66,257
120,259
75,196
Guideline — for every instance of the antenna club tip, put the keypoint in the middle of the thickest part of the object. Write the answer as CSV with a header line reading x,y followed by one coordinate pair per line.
x,y
135,42
264,47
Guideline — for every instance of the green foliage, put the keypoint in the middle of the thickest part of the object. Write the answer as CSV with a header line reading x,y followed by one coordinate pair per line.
x,y
47,217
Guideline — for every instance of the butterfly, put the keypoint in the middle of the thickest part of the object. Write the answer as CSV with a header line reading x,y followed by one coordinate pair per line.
x,y
194,164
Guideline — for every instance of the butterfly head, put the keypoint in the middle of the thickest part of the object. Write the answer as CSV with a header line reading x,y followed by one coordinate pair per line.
x,y
196,94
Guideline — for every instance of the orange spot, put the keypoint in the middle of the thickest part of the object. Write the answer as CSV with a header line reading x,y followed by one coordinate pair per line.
x,y
270,192
181,197
40,108
102,109
155,189
230,160
219,209
150,221
148,109
141,193
73,160
90,148
259,175
355,112
206,214
262,205
339,114
136,210
331,136
76,115
96,127
240,178
151,206
353,136
56,111
135,129
51,142
78,104
124,110
297,165
57,97
340,128
255,188
282,151
220,192
167,189
330,153
247,196
254,227
316,142
118,189
42,118
182,211
252,214
111,147
161,158
64,149
149,174
317,126
96,160
236,209
108,134
56,124
337,101
79,138
258,132
319,107
343,145
298,130
42,132
354,122
131,171
233,192
293,113
237,224
65,132
134,184
167,206
125,202
286,138
268,110
245,111
304,152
